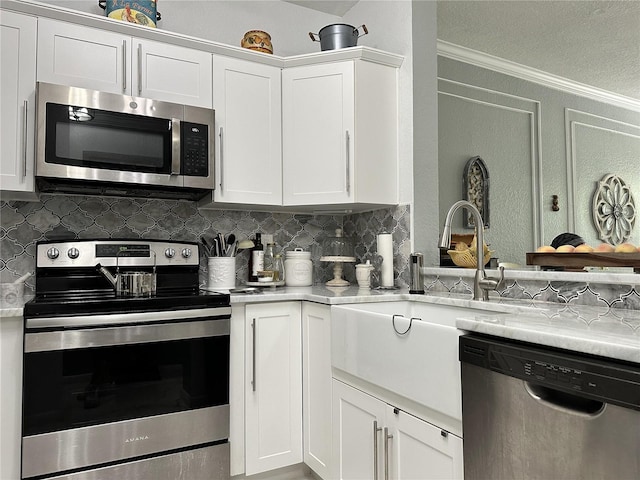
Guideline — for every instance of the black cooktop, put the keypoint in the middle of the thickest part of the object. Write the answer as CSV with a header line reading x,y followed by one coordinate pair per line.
x,y
103,303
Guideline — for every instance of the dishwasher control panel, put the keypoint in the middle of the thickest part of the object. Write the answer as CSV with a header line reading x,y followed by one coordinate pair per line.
x,y
592,377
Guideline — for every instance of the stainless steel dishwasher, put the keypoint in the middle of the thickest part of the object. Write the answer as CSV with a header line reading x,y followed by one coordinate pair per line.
x,y
531,412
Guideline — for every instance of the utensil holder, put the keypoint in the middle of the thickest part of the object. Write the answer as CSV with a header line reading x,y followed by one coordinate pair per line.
x,y
221,273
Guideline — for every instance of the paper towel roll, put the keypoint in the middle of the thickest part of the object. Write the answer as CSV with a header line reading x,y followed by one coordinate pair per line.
x,y
385,250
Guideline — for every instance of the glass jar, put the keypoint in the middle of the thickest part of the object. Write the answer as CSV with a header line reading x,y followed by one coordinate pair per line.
x,y
278,268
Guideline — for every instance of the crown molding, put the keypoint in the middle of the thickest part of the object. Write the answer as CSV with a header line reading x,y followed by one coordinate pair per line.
x,y
507,67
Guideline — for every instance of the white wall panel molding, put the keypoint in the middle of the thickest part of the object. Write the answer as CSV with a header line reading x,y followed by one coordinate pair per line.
x,y
507,67
573,120
529,107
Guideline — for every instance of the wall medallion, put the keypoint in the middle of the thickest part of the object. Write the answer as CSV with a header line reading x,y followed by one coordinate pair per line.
x,y
614,210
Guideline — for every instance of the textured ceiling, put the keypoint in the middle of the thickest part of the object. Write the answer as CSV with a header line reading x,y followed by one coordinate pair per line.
x,y
596,43
593,42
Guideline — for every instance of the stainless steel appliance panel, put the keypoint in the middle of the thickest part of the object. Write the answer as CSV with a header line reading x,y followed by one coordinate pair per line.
x,y
97,337
99,444
202,463
115,175
534,413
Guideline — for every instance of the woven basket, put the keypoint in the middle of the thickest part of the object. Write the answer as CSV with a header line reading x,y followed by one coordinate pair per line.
x,y
464,258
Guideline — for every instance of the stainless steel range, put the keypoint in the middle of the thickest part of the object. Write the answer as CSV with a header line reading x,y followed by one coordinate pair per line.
x,y
126,364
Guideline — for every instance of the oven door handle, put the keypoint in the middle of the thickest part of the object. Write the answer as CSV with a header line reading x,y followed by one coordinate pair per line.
x,y
101,320
124,335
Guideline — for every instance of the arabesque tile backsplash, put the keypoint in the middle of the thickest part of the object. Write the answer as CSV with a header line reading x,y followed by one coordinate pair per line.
x,y
58,217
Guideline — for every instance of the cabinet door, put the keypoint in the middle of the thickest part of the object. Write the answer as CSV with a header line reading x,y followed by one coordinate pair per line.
x,y
83,57
11,351
273,385
17,97
316,387
421,451
357,434
171,73
247,101
318,129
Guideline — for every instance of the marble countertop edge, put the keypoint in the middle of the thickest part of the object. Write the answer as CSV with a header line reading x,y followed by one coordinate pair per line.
x,y
541,275
626,348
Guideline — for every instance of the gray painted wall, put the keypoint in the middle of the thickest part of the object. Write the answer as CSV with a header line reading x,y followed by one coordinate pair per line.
x,y
508,122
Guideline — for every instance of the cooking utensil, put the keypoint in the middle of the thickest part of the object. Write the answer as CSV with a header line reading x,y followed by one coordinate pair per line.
x,y
131,284
338,35
231,245
207,246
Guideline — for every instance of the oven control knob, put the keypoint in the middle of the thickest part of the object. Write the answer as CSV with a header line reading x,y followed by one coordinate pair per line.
x,y
186,252
169,253
73,253
53,253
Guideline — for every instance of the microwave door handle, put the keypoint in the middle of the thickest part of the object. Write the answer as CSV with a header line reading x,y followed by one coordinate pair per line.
x,y
175,146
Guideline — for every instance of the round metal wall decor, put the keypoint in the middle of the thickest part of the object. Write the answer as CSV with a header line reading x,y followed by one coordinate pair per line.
x,y
614,210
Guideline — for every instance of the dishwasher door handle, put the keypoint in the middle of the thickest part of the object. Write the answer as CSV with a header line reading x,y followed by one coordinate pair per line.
x,y
563,401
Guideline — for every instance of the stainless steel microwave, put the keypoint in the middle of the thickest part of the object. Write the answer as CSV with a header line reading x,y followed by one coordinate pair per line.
x,y
91,142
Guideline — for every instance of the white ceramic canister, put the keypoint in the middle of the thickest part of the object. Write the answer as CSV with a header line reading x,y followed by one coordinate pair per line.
x,y
298,269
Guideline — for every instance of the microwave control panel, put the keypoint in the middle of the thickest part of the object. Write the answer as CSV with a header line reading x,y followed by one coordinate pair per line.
x,y
194,149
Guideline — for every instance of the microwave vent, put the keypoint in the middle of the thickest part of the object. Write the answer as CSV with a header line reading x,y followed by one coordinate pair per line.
x,y
110,189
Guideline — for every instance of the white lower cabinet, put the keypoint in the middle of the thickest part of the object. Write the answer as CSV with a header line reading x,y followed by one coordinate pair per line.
x,y
373,440
316,387
273,386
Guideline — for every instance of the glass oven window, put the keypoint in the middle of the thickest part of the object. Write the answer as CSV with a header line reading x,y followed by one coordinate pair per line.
x,y
91,138
81,387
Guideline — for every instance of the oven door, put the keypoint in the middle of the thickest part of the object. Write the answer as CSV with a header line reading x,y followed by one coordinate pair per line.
x,y
97,396
96,136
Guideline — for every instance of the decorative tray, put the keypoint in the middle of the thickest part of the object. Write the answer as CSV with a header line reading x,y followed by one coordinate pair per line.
x,y
577,261
265,284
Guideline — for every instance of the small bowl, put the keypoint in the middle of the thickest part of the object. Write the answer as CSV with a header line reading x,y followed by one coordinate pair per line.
x,y
265,276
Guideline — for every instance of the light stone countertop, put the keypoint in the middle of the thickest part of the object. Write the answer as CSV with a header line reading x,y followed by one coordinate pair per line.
x,y
608,332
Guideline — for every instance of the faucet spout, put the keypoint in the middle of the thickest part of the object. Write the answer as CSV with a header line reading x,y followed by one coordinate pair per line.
x,y
479,293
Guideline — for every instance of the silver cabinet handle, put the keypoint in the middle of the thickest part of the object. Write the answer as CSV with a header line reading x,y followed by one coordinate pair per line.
x,y
25,127
175,146
376,429
221,158
253,349
139,69
386,452
348,161
124,66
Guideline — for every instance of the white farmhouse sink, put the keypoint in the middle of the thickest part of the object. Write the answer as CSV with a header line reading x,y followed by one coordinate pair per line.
x,y
421,365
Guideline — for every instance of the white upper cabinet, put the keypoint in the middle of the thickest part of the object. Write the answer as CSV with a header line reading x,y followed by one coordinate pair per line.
x,y
171,73
247,101
340,138
75,55
17,97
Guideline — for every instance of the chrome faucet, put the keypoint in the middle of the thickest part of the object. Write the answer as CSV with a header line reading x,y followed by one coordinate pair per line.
x,y
482,284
